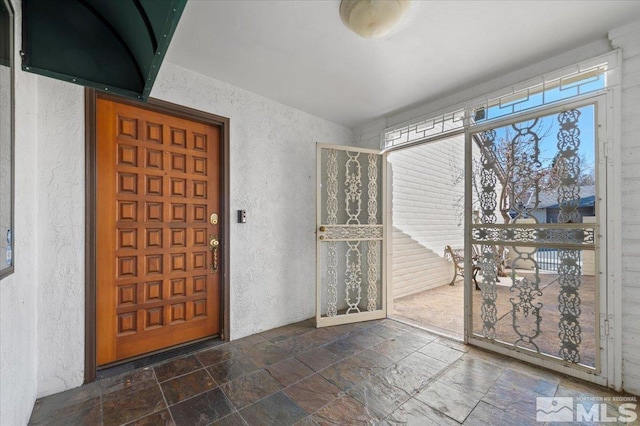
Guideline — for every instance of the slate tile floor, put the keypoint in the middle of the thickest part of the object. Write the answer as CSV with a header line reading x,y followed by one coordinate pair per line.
x,y
378,372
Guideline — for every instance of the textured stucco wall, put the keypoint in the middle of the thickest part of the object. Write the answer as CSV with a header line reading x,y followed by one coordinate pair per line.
x,y
60,235
273,178
18,292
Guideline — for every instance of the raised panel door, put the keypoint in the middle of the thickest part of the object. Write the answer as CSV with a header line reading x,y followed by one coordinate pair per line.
x,y
158,183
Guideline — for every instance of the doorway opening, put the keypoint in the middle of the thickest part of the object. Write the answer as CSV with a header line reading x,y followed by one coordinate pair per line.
x,y
428,224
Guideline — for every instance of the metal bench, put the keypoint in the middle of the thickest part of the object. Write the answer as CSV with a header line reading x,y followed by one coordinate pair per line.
x,y
456,256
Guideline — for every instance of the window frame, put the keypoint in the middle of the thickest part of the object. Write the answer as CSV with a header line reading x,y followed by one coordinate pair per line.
x,y
9,269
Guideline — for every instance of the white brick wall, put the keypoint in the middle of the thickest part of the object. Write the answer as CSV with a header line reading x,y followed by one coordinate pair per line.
x,y
628,40
428,190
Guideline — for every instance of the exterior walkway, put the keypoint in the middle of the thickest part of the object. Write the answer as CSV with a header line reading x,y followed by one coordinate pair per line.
x,y
378,372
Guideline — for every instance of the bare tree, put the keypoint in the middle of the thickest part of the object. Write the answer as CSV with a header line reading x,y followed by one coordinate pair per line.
x,y
523,174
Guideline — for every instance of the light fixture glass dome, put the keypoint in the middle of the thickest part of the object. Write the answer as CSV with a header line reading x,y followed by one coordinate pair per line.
x,y
372,18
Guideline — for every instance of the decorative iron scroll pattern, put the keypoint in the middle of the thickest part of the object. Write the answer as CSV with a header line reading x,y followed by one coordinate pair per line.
x,y
354,232
353,185
332,187
525,165
569,305
353,279
525,310
569,269
372,275
488,178
343,234
372,190
488,310
372,252
538,235
332,219
488,203
569,167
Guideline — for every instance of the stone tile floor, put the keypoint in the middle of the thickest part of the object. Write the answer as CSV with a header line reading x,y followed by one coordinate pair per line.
x,y
378,372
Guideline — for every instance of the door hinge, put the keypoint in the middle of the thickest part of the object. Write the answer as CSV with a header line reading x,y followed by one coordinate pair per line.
x,y
606,326
605,149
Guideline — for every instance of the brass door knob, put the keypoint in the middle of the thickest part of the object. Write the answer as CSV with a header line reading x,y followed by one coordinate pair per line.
x,y
213,246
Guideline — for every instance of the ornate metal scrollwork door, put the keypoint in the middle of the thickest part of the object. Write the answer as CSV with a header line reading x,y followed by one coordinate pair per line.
x,y
534,185
350,234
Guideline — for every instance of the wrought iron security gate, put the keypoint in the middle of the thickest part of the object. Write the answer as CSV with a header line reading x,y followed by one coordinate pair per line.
x,y
350,234
534,185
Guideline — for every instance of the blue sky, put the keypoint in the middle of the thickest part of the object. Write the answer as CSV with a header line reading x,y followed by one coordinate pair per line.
x,y
548,145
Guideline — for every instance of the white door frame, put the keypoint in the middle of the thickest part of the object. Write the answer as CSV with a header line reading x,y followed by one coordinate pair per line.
x,y
605,357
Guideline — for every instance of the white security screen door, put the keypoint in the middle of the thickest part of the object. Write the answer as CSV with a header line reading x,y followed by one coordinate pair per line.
x,y
351,284
537,190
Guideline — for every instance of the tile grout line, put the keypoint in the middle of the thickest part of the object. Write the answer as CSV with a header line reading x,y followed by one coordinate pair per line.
x,y
241,354
153,412
283,388
164,397
235,410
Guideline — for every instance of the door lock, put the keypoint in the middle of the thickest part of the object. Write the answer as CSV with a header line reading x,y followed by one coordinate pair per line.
x,y
213,246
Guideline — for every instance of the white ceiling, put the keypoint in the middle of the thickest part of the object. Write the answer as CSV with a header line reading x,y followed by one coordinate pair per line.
x,y
299,53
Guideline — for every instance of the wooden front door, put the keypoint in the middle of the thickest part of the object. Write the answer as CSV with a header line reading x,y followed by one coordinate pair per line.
x,y
158,272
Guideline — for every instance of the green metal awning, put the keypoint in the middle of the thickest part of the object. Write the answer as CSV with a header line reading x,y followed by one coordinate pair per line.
x,y
5,35
111,45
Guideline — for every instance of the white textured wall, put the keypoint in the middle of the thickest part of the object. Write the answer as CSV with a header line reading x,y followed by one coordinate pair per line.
x,y
60,215
18,292
369,135
273,179
628,39
428,209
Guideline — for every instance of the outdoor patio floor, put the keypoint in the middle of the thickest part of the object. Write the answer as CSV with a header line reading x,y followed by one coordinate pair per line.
x,y
378,372
442,310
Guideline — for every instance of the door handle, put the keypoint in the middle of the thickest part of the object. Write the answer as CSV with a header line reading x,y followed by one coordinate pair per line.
x,y
213,246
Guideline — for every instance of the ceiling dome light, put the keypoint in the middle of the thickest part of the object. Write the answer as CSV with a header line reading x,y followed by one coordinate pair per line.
x,y
372,18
